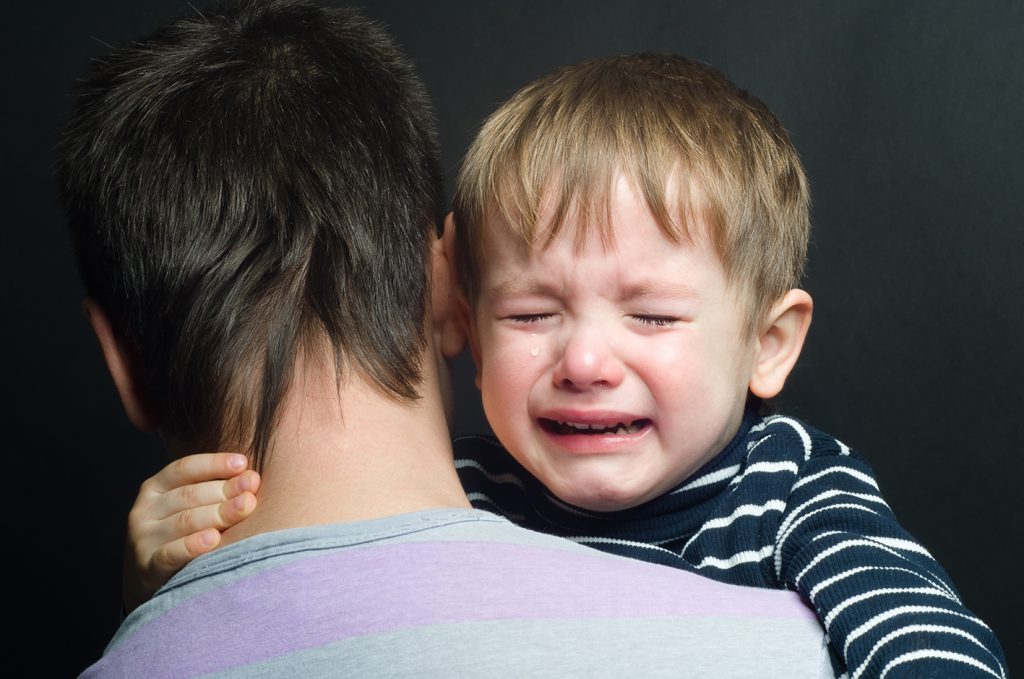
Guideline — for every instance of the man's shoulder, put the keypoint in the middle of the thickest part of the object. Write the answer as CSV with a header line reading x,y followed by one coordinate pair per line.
x,y
412,577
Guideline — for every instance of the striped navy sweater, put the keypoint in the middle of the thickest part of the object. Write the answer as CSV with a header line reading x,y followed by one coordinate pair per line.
x,y
783,506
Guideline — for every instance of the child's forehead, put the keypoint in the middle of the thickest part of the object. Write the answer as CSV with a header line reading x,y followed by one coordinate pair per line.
x,y
630,252
603,215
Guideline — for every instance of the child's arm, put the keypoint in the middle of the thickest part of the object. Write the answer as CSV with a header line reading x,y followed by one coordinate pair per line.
x,y
179,514
888,607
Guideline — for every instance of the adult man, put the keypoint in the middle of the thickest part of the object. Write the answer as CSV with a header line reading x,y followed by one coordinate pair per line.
x,y
252,193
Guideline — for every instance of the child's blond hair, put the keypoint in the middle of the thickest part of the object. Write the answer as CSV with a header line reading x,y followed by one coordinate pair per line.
x,y
560,142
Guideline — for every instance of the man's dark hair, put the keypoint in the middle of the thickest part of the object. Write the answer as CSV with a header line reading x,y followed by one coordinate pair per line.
x,y
246,181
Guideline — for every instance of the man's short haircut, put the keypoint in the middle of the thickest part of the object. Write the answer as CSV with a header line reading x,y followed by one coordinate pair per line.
x,y
243,183
559,143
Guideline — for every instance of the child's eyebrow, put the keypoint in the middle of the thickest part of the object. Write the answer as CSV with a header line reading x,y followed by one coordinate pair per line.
x,y
659,289
521,286
647,289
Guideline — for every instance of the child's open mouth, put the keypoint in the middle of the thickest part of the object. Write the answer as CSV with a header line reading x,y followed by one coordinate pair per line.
x,y
572,428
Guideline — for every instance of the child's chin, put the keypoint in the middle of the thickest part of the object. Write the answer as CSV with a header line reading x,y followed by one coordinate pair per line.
x,y
603,497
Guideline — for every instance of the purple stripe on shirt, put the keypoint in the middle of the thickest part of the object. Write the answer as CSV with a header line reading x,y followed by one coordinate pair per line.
x,y
322,599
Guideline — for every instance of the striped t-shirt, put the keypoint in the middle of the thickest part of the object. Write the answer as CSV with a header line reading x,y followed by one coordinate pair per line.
x,y
454,593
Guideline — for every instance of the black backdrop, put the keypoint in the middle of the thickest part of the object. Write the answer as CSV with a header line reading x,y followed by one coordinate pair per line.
x,y
910,119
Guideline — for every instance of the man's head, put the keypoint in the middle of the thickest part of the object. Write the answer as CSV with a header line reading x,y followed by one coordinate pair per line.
x,y
632,233
244,185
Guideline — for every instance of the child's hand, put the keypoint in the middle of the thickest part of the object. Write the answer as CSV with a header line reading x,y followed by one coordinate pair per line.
x,y
179,514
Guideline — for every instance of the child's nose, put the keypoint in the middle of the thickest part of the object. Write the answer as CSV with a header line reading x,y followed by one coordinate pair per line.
x,y
587,362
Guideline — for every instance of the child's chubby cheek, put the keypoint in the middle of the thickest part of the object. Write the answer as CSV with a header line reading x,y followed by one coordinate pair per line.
x,y
511,363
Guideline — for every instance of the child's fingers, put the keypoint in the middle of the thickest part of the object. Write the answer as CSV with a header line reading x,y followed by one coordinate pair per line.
x,y
219,516
196,468
248,480
144,575
146,539
195,495
159,549
236,509
178,515
171,557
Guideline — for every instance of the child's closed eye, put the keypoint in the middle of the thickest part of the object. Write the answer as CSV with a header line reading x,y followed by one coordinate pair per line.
x,y
655,321
526,319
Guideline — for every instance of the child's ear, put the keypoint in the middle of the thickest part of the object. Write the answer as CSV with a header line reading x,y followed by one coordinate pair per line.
x,y
123,361
448,315
780,344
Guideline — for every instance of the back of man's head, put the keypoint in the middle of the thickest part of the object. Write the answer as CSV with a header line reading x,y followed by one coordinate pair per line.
x,y
243,183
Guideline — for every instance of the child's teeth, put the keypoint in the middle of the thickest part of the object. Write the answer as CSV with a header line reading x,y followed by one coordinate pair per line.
x,y
620,428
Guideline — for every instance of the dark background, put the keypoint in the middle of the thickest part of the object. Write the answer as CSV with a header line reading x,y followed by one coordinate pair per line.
x,y
909,117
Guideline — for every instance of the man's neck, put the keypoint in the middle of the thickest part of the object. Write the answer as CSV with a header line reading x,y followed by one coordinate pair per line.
x,y
350,454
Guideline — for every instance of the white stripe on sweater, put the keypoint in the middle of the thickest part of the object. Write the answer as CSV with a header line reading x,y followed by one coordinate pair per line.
x,y
752,445
846,603
749,556
742,510
860,569
708,479
895,543
944,655
766,468
462,463
903,545
857,542
771,467
912,629
780,539
820,497
805,438
901,610
859,475
787,525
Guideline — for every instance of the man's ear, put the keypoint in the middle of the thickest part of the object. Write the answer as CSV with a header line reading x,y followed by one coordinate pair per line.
x,y
122,360
448,314
461,328
780,344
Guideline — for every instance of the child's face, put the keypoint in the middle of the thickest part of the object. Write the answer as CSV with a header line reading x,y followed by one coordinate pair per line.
x,y
611,373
